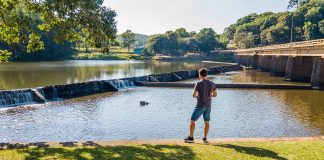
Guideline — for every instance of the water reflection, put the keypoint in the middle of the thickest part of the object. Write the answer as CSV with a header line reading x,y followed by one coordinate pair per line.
x,y
306,106
113,116
250,76
35,74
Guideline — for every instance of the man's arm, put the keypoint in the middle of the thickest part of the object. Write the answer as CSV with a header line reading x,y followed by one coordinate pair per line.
x,y
195,91
214,93
195,94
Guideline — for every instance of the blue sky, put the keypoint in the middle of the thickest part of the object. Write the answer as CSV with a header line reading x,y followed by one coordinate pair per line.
x,y
157,16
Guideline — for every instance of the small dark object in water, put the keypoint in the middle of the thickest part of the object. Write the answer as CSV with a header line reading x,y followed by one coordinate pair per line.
x,y
143,103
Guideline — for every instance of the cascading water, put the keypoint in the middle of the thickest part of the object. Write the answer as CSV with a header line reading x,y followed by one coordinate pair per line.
x,y
16,97
121,84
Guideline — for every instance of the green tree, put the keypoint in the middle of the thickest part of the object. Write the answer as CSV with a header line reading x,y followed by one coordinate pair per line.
x,y
4,55
172,43
240,37
128,39
304,22
207,40
321,26
24,23
182,33
278,34
157,44
295,3
192,45
179,42
247,19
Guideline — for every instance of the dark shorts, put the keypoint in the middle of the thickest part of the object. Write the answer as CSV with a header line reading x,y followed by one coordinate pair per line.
x,y
201,111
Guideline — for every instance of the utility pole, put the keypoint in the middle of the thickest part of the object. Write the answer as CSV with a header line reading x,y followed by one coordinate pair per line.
x,y
291,30
292,24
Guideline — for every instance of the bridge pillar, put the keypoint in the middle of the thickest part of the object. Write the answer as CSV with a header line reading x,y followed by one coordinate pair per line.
x,y
255,61
299,69
243,60
247,60
317,80
278,65
264,63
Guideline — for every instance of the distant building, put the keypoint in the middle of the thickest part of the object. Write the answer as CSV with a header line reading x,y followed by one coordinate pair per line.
x,y
138,50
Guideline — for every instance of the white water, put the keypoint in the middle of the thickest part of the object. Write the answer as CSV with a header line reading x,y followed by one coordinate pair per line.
x,y
121,84
15,98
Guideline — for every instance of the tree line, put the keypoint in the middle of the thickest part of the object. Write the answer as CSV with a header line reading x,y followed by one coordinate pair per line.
x,y
180,41
47,29
305,22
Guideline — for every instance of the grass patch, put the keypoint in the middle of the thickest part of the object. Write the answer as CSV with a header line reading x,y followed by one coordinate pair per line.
x,y
311,150
113,49
101,56
116,53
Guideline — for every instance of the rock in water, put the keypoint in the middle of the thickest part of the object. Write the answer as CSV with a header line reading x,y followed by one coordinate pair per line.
x,y
143,103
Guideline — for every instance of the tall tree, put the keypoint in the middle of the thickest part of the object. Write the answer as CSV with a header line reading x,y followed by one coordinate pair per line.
x,y
182,33
207,40
128,39
22,23
295,3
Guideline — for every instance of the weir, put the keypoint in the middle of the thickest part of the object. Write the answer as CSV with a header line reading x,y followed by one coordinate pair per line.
x,y
236,85
57,92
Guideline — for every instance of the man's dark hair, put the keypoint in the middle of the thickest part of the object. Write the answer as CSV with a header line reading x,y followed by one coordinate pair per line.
x,y
203,72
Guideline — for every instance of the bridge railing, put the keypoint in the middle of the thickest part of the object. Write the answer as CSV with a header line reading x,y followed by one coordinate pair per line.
x,y
318,42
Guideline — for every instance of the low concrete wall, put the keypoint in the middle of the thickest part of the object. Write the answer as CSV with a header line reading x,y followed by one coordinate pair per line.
x,y
48,93
76,89
241,86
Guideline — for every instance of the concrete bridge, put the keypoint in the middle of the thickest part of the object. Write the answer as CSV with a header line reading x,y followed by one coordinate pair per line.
x,y
299,61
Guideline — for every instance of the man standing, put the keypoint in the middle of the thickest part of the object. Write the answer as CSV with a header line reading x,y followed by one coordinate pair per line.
x,y
204,90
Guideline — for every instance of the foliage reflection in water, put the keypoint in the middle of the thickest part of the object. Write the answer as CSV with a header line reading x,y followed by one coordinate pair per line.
x,y
36,74
115,116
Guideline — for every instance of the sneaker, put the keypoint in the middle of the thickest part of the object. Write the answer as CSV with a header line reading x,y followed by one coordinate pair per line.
x,y
189,139
205,140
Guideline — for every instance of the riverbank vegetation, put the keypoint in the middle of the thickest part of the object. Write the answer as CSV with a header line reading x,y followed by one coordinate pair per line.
x,y
50,30
304,22
28,27
180,42
115,53
102,56
239,150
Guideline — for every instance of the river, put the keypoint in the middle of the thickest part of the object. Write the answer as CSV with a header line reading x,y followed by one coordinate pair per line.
x,y
119,116
35,74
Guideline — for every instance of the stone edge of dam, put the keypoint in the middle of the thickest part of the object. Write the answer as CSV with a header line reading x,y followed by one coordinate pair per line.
x,y
236,85
18,97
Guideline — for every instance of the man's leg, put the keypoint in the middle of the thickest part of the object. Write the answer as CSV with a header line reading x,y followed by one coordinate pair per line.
x,y
192,128
206,119
206,129
194,117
